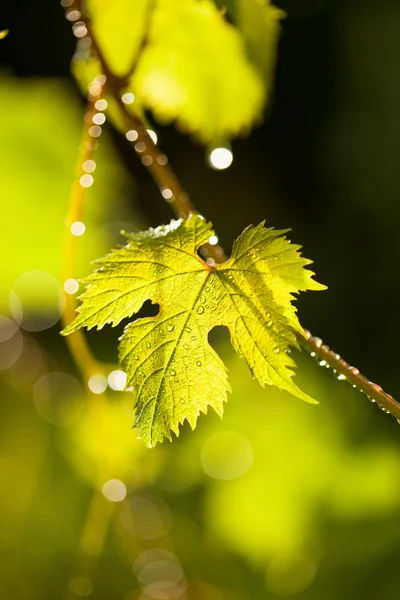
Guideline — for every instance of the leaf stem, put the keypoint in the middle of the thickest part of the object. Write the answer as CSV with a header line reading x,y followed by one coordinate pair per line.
x,y
172,191
150,154
345,372
77,343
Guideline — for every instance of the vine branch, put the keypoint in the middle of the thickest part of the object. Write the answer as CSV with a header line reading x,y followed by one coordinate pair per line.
x,y
77,343
172,191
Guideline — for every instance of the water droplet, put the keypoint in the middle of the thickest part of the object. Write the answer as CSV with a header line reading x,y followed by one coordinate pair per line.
x,y
182,400
207,289
188,329
203,300
277,350
200,310
193,338
186,346
170,327
173,373
268,315
136,357
198,363
313,354
322,363
148,345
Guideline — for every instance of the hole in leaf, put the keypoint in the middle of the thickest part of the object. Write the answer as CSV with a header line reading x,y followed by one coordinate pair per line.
x,y
148,310
219,340
203,252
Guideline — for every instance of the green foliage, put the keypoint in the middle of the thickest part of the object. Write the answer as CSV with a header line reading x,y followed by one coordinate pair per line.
x,y
190,64
257,21
170,365
119,26
40,139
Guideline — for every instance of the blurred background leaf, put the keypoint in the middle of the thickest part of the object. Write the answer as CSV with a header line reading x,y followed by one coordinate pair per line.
x,y
41,127
191,66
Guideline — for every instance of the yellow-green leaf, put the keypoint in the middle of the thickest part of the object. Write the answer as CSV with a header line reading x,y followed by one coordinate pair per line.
x,y
258,21
192,67
119,27
174,372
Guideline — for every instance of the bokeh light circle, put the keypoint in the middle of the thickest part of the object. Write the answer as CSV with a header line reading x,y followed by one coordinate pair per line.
x,y
146,517
11,348
226,455
220,158
58,398
8,328
41,298
114,490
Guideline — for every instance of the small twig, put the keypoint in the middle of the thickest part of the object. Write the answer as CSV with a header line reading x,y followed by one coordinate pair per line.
x,y
149,13
77,342
150,154
345,372
172,191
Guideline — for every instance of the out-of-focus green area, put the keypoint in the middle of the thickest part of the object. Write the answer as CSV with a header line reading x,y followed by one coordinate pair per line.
x,y
280,498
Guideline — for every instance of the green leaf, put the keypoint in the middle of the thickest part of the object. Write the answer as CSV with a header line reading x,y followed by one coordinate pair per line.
x,y
258,21
191,66
169,363
119,26
194,69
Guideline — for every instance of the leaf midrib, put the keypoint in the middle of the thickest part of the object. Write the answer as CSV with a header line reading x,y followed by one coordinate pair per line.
x,y
189,313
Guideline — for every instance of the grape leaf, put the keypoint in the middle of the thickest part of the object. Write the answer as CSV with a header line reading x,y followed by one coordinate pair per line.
x,y
195,69
190,65
174,372
258,22
119,26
